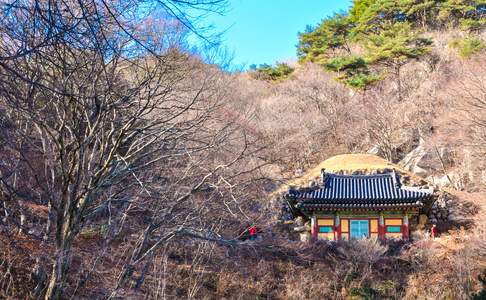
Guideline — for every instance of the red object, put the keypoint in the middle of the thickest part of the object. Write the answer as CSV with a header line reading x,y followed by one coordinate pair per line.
x,y
433,231
252,230
405,231
381,227
337,231
381,230
314,230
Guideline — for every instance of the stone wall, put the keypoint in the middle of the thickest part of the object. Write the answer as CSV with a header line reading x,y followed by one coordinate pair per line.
x,y
441,208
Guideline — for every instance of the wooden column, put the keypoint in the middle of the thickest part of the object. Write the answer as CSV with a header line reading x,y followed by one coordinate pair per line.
x,y
405,230
337,228
314,228
381,227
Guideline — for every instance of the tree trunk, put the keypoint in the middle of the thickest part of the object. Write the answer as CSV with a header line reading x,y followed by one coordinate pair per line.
x,y
50,216
399,82
65,236
22,221
58,274
5,210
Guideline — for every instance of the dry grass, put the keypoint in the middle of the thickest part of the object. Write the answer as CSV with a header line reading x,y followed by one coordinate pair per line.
x,y
17,259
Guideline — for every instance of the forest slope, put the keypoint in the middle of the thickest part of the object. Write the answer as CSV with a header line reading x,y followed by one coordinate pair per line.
x,y
142,184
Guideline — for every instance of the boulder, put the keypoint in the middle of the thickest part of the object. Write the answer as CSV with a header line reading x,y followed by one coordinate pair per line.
x,y
299,221
441,203
406,140
305,236
301,228
452,179
375,150
425,161
312,184
409,138
299,172
453,218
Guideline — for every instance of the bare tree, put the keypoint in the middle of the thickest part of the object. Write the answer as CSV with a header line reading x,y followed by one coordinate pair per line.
x,y
471,89
121,122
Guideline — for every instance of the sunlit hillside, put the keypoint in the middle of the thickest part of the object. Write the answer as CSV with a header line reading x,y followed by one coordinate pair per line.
x,y
132,166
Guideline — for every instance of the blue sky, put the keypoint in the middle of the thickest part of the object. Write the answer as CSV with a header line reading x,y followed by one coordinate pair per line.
x,y
265,31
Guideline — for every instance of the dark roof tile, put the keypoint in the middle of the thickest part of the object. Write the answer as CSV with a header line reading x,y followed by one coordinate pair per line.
x,y
366,190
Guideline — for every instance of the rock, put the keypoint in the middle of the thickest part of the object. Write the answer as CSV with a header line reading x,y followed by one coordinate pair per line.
x,y
425,161
305,236
409,139
411,161
301,228
441,203
452,179
453,218
405,142
375,150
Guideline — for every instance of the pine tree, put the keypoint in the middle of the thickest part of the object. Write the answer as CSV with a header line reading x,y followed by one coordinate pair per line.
x,y
390,34
394,46
332,35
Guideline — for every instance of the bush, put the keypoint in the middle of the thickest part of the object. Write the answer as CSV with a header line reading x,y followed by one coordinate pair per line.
x,y
350,64
361,81
471,25
355,68
481,295
468,46
268,72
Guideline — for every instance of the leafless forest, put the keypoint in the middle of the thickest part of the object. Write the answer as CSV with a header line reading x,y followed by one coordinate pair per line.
x,y
130,166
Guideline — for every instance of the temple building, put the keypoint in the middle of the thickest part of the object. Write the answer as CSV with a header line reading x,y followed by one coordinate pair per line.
x,y
359,206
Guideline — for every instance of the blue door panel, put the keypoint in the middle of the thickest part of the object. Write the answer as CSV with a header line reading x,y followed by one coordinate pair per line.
x,y
359,229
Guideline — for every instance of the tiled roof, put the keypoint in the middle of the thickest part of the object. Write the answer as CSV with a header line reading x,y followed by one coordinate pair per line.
x,y
360,191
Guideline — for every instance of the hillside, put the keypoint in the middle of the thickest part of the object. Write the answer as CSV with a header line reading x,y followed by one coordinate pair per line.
x,y
133,167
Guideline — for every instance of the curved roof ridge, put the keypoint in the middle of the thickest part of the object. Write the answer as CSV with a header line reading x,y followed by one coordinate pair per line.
x,y
360,189
390,174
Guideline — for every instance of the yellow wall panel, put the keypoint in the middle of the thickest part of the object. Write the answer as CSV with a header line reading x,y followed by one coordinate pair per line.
x,y
397,222
393,235
325,236
325,222
344,225
374,225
